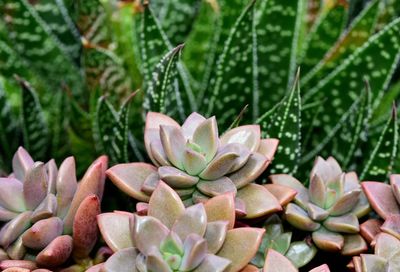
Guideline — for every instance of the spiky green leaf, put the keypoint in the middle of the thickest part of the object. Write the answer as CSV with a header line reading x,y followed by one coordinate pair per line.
x,y
35,43
375,61
154,44
235,82
277,38
285,125
159,92
380,161
355,36
56,16
34,126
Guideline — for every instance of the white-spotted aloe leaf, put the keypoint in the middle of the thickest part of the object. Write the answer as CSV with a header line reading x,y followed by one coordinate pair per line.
x,y
324,33
104,71
38,46
34,126
154,44
111,129
285,124
277,29
160,89
375,61
355,36
390,10
379,161
56,16
234,85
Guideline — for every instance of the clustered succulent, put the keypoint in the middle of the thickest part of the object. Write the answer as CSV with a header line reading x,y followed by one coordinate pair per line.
x,y
299,253
329,208
198,164
48,216
174,238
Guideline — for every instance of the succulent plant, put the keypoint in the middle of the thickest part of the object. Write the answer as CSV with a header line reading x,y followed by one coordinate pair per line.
x,y
198,164
48,215
174,238
384,199
329,208
386,257
299,253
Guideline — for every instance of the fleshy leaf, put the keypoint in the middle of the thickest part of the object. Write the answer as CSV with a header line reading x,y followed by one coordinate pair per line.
x,y
274,262
11,195
215,235
85,228
221,208
42,233
115,230
206,136
122,261
296,216
301,197
301,253
245,241
66,185
13,229
35,185
165,205
258,201
327,240
21,163
354,245
381,198
193,220
283,194
347,223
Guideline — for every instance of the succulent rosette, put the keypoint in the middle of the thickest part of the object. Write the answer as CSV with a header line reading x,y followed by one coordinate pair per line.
x,y
198,164
386,257
299,253
48,216
384,199
174,238
329,208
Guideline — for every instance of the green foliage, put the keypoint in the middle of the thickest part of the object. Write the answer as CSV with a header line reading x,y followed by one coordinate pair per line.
x,y
34,126
285,124
381,158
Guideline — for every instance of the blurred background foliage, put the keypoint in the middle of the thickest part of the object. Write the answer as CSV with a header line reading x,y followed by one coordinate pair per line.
x,y
70,71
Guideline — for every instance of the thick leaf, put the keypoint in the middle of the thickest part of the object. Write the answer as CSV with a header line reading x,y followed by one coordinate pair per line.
x,y
160,89
277,37
380,161
235,81
285,125
324,33
10,61
35,129
341,88
104,71
40,48
357,34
